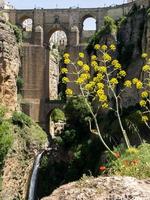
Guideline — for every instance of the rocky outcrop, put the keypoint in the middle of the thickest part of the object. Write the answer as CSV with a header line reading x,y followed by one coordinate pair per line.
x,y
103,188
9,66
133,40
19,161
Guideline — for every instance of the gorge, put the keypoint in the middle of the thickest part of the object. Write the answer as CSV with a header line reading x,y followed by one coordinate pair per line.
x,y
76,152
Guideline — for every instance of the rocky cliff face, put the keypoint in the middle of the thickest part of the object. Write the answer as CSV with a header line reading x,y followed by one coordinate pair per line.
x,y
9,66
19,161
27,137
133,40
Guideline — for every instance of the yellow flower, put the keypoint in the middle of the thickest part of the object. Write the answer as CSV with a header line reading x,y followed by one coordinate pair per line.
x,y
65,80
104,47
113,47
85,76
93,57
107,57
128,84
102,98
96,68
139,85
80,80
94,63
86,68
102,69
144,94
144,55
145,118
146,68
114,81
100,85
114,62
67,61
132,150
100,92
64,70
117,66
143,103
99,77
81,55
90,85
69,92
66,55
122,73
97,47
80,63
105,105
135,80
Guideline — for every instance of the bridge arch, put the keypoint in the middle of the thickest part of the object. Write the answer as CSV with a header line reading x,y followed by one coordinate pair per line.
x,y
57,27
53,105
88,25
23,18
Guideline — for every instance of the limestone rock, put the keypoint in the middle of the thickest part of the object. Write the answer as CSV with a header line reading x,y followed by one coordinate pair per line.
x,y
133,37
9,67
103,188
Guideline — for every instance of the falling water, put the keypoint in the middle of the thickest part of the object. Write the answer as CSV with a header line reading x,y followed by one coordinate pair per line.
x,y
33,181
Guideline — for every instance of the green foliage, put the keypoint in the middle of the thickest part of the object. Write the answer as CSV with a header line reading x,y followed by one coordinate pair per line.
x,y
57,115
2,113
20,84
17,32
108,28
6,140
76,110
122,21
148,12
133,162
20,119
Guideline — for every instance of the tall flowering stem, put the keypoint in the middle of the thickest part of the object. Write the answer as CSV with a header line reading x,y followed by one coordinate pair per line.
x,y
97,82
144,90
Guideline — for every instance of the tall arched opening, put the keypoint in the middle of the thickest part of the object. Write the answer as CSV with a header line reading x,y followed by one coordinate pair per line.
x,y
88,28
57,46
57,122
27,27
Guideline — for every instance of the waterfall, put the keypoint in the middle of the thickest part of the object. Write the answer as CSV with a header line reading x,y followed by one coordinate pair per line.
x,y
33,181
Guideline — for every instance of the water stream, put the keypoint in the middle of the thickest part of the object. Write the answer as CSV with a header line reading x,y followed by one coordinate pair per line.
x,y
32,191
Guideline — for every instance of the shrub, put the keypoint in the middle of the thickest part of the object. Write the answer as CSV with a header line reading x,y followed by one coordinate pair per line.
x,y
2,113
20,119
76,110
17,32
122,21
6,140
131,162
20,84
57,115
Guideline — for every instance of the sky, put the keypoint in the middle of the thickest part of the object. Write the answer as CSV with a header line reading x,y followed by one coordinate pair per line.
x,y
26,4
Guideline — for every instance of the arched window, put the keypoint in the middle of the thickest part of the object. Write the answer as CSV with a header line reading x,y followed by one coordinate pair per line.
x,y
27,25
89,24
88,29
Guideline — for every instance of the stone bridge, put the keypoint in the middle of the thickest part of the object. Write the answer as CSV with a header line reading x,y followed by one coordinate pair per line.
x,y
35,66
